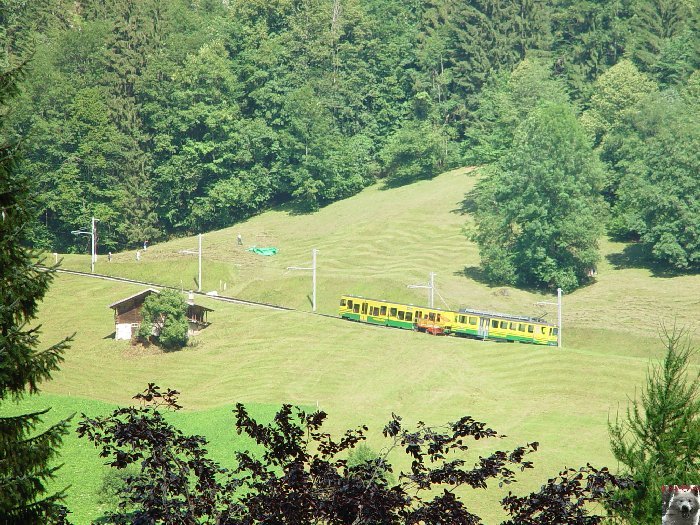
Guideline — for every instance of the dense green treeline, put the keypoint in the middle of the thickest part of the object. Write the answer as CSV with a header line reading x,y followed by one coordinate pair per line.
x,y
164,118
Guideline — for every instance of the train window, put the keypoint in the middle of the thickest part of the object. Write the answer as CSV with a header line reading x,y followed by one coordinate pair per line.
x,y
343,302
504,325
375,311
473,320
409,316
349,303
512,326
419,314
356,308
521,327
438,317
382,311
392,312
494,323
431,316
544,330
529,329
364,308
401,315
555,331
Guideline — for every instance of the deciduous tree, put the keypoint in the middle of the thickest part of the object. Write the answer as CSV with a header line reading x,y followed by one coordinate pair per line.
x,y
539,213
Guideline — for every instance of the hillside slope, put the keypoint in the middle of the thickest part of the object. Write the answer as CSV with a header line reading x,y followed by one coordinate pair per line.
x,y
375,244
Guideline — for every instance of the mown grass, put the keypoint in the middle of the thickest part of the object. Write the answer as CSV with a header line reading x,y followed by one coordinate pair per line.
x,y
374,245
83,472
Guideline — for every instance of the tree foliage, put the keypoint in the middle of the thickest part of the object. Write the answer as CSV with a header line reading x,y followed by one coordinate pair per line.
x,y
657,439
539,210
164,319
27,454
301,474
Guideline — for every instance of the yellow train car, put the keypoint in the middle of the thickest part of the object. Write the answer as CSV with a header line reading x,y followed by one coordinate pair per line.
x,y
388,313
505,327
464,323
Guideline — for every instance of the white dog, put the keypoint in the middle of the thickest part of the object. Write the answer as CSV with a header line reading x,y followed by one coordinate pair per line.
x,y
683,507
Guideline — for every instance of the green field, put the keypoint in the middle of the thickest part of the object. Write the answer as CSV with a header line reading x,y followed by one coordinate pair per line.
x,y
374,244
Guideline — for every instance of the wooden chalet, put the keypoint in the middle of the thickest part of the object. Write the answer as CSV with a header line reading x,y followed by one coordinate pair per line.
x,y
127,314
196,316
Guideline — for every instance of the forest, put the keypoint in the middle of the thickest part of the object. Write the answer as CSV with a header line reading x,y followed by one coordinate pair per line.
x,y
166,118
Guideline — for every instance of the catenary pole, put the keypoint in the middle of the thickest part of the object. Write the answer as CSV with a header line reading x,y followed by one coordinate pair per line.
x,y
94,246
199,277
313,277
430,286
559,316
313,265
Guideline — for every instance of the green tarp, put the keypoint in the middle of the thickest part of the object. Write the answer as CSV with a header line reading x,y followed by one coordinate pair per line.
x,y
263,251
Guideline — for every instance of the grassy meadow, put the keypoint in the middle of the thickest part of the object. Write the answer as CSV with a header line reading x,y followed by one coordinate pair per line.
x,y
374,244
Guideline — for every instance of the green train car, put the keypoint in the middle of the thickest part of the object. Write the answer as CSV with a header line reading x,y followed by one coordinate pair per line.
x,y
436,321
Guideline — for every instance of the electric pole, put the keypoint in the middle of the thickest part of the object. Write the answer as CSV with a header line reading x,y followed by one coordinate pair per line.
x,y
93,245
313,277
430,286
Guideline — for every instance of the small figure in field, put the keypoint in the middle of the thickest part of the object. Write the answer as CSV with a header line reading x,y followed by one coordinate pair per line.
x,y
240,240
145,245
109,256
138,255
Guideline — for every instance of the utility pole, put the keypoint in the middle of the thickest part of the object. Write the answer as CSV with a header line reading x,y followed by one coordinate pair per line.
x,y
559,317
313,277
199,256
93,229
430,286
93,245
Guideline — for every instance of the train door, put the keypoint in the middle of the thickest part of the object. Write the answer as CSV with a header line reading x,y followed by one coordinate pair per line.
x,y
483,327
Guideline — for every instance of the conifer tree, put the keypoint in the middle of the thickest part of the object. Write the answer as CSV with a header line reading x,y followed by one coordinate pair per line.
x,y
658,439
25,453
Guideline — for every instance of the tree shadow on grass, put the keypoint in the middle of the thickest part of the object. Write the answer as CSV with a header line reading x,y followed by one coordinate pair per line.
x,y
475,273
638,256
467,206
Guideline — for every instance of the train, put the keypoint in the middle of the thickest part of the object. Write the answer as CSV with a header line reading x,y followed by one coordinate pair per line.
x,y
461,323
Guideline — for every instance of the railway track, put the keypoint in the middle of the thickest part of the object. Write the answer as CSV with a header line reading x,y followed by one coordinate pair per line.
x,y
223,298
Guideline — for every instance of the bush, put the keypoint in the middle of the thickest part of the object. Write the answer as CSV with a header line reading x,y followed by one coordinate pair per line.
x,y
165,319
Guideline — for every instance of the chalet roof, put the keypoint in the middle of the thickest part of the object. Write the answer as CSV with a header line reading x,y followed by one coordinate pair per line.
x,y
136,298
198,307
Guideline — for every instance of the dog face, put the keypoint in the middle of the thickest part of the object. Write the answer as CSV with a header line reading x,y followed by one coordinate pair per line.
x,y
684,502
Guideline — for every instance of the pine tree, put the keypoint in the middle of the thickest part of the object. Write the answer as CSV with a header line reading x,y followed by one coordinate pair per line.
x,y
25,454
657,441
